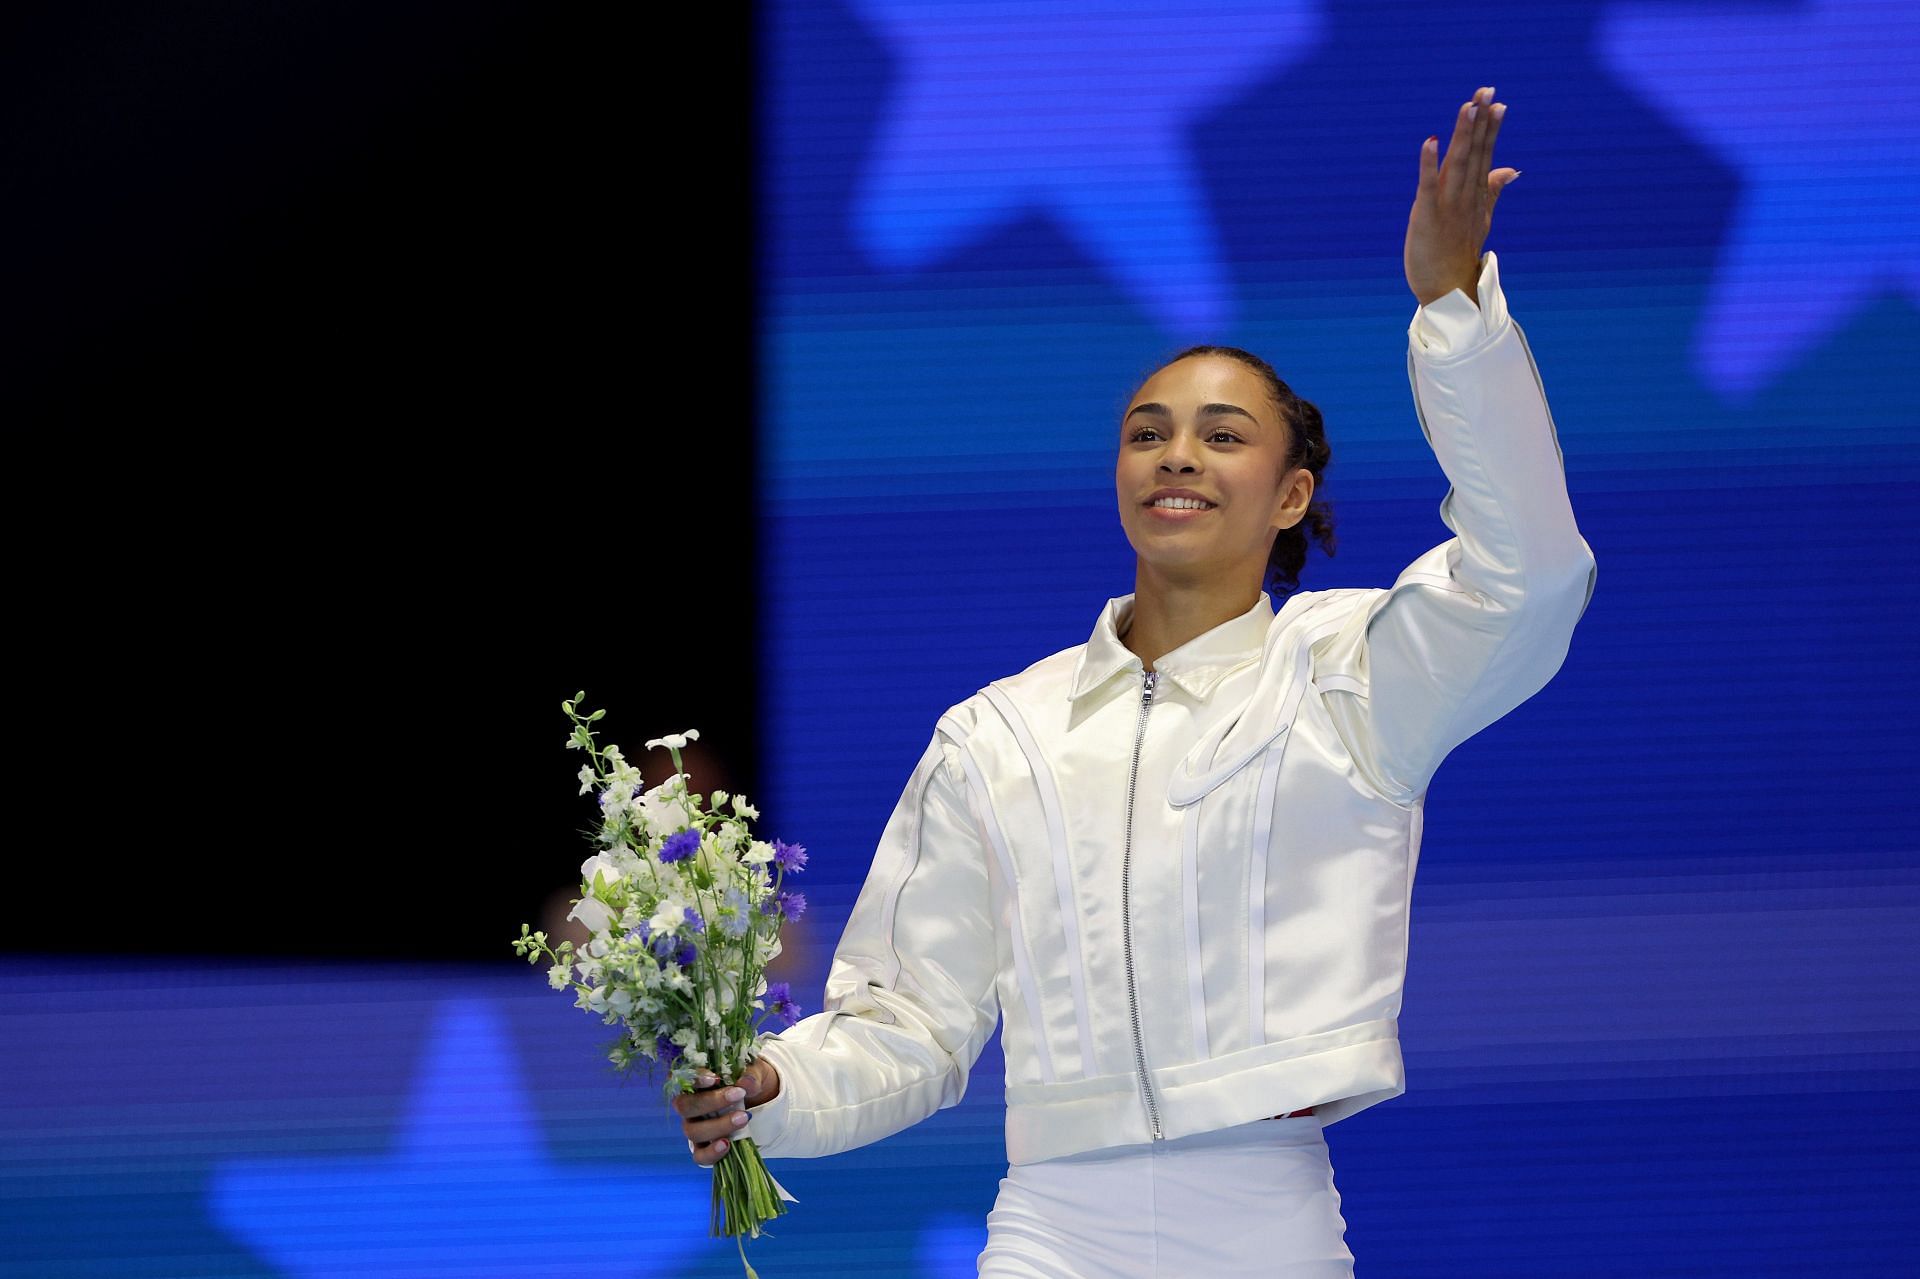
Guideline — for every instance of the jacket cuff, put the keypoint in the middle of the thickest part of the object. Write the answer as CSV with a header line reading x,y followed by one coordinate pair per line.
x,y
1453,325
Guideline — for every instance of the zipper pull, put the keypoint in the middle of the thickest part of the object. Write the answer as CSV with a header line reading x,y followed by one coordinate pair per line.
x,y
1146,690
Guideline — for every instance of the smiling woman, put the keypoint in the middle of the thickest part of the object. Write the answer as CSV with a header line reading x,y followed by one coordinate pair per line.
x,y
1173,864
1269,429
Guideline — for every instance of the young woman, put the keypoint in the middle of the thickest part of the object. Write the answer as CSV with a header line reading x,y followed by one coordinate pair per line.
x,y
1175,862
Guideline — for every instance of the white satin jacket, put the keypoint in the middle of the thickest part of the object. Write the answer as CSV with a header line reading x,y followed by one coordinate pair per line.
x,y
1184,893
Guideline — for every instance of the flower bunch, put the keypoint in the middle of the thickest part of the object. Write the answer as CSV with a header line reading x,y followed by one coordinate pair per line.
x,y
685,907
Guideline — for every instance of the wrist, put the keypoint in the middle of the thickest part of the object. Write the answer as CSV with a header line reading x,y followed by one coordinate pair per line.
x,y
1432,294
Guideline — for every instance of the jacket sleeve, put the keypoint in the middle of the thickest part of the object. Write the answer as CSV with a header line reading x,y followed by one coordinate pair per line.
x,y
1480,623
910,997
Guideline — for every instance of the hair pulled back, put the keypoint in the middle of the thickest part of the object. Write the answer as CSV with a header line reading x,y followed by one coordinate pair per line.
x,y
1306,446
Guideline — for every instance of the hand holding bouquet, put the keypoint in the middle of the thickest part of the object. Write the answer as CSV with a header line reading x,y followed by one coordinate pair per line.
x,y
685,909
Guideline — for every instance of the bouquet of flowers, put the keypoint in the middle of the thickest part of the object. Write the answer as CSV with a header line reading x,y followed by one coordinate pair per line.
x,y
685,907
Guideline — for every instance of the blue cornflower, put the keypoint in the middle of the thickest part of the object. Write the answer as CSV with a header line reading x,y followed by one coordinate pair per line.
x,y
694,921
641,933
669,1051
736,923
663,945
789,857
679,846
687,953
779,999
793,905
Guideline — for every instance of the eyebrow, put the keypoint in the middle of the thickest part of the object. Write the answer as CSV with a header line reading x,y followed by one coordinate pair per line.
x,y
1206,410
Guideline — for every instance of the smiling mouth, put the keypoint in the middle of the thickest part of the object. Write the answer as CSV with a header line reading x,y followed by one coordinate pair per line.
x,y
1179,504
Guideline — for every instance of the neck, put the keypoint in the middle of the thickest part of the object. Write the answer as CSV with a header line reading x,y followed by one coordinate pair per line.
x,y
1167,612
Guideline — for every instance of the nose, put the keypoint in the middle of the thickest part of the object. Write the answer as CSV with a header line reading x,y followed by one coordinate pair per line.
x,y
1179,455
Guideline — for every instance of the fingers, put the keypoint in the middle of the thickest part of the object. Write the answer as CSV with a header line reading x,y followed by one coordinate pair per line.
x,y
710,1117
1429,165
1470,151
1487,128
1453,172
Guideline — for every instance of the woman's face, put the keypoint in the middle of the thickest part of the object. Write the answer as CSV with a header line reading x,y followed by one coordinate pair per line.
x,y
1206,427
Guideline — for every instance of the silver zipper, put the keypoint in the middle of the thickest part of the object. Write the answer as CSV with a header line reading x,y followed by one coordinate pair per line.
x,y
1126,913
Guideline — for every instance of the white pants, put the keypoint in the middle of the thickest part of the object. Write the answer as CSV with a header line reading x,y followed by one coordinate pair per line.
x,y
1255,1199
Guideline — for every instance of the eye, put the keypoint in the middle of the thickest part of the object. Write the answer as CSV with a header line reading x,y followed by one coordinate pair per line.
x,y
1231,437
1142,432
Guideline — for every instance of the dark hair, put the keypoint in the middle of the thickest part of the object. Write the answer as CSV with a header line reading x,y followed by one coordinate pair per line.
x,y
1306,446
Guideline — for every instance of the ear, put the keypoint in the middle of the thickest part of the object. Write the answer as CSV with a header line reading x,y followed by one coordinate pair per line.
x,y
1293,498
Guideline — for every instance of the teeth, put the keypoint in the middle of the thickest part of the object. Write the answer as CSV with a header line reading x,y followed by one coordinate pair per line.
x,y
1182,503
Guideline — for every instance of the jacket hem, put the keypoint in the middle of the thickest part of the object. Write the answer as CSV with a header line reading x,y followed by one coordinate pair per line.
x,y
1339,1073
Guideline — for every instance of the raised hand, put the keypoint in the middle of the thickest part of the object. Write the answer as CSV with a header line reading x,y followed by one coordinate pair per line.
x,y
1453,208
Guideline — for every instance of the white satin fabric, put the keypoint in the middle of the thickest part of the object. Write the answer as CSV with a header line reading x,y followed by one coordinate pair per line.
x,y
1184,902
1253,1199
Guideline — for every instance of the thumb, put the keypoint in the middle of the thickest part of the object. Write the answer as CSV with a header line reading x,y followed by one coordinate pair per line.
x,y
1497,182
756,1079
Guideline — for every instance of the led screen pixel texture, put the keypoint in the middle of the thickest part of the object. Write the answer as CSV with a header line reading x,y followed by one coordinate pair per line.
x,y
1659,1013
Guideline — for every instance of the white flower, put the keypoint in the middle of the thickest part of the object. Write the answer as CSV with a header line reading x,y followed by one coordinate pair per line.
x,y
711,858
615,800
621,1002
596,867
746,810
664,807
675,741
611,752
557,976
592,912
719,798
670,914
587,778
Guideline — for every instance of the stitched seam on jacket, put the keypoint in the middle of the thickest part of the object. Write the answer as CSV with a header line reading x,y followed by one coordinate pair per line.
x,y
1022,960
1190,910
1049,797
892,902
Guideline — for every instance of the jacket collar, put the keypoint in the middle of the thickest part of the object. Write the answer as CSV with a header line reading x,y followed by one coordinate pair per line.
x,y
1197,666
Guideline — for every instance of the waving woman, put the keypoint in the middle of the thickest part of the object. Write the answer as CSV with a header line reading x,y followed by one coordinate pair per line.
x,y
1175,862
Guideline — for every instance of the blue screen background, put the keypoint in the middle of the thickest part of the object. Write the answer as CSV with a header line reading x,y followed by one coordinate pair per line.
x,y
1659,1014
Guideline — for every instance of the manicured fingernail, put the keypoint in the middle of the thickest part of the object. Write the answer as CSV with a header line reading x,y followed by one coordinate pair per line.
x,y
1516,174
1473,109
735,1094
741,1118
721,1144
1499,109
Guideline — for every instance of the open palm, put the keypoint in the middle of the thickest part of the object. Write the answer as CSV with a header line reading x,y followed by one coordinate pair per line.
x,y
1453,207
